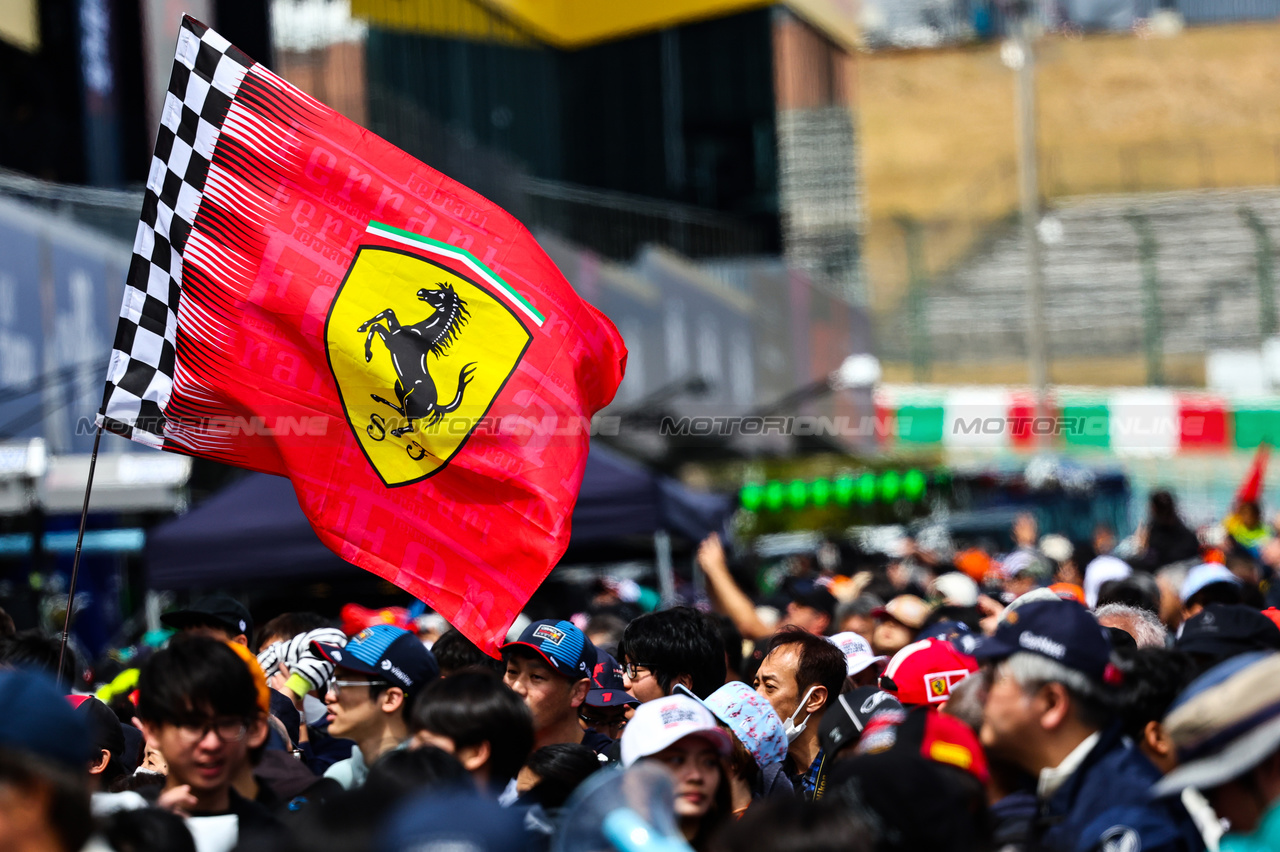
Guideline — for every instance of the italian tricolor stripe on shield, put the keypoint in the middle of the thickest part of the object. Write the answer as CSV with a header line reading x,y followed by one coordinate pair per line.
x,y
308,300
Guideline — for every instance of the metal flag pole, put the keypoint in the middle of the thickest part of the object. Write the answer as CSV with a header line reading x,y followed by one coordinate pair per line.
x,y
75,565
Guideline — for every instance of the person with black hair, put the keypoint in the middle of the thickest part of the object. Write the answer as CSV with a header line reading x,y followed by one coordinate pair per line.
x,y
32,649
671,646
553,772
800,676
1165,538
476,718
733,643
1138,589
146,830
1153,678
107,737
286,625
403,771
198,705
455,652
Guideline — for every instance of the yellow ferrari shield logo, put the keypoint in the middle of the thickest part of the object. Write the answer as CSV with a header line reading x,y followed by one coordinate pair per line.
x,y
419,353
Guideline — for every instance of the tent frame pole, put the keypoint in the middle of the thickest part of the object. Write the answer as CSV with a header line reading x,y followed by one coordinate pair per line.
x,y
75,564
666,573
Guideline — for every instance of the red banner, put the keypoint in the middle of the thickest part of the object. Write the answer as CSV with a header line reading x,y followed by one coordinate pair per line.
x,y
308,300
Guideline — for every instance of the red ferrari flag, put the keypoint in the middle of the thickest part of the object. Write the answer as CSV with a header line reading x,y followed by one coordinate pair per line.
x,y
306,299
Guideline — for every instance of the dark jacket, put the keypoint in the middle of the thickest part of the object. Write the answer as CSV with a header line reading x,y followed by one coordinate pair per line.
x,y
1105,804
1167,544
772,781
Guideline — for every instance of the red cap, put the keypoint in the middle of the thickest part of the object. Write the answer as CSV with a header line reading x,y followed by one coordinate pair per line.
x,y
936,736
948,740
924,672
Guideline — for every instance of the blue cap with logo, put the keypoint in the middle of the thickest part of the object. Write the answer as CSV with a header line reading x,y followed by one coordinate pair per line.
x,y
1061,630
565,648
386,652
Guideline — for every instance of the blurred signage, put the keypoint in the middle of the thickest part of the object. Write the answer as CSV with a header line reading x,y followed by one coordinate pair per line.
x,y
59,288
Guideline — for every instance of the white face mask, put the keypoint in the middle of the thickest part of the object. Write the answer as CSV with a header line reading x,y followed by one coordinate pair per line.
x,y
789,727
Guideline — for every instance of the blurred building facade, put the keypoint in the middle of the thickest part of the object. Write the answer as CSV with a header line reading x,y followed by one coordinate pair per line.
x,y
692,167
82,81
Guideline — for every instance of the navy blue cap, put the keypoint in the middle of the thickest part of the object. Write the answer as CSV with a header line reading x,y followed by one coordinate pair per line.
x,y
1063,631
386,652
38,720
1224,630
945,629
455,821
565,648
606,683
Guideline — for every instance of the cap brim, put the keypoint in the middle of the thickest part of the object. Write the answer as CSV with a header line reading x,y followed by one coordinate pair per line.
x,y
556,665
1215,646
617,698
1216,769
988,648
336,655
853,667
884,612
719,738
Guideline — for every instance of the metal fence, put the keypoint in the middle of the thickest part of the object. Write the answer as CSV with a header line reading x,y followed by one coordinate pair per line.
x,y
1143,285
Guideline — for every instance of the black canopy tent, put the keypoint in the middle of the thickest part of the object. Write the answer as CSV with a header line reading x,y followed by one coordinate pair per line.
x,y
253,530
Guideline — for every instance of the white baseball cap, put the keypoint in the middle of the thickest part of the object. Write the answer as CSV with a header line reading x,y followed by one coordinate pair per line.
x,y
956,589
664,722
1206,574
857,653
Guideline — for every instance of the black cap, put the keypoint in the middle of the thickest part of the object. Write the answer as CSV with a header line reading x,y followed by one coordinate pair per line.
x,y
815,597
843,722
222,611
1225,630
104,731
1122,639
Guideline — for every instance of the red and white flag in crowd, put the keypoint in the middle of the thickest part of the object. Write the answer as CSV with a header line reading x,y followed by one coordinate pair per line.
x,y
306,299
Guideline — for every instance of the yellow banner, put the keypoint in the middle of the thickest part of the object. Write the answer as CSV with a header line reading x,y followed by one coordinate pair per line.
x,y
570,24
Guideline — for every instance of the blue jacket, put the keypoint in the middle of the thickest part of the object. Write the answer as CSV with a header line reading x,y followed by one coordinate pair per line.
x,y
1105,805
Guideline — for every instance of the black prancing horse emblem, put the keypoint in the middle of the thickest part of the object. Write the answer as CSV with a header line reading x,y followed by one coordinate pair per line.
x,y
410,345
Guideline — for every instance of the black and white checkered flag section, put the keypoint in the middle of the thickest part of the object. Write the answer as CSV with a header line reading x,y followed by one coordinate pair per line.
x,y
207,72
